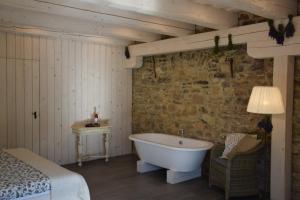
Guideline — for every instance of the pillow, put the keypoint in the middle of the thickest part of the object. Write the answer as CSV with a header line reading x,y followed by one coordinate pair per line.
x,y
245,144
230,142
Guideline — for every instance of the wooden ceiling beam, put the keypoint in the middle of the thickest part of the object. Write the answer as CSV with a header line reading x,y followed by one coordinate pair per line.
x,y
101,14
20,17
180,10
259,44
273,9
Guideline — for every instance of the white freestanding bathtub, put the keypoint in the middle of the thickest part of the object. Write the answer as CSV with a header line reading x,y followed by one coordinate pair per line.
x,y
181,156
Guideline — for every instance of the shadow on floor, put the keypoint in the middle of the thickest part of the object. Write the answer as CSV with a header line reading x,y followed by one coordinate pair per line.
x,y
118,180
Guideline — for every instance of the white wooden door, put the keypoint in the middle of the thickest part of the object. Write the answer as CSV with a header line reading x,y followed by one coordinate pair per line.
x,y
27,104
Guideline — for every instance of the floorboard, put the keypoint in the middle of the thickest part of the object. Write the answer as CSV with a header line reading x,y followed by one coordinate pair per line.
x,y
118,180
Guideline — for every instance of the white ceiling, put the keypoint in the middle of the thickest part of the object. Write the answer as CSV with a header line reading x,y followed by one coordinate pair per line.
x,y
137,20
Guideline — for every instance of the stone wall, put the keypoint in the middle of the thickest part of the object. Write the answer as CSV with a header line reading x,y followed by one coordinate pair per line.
x,y
195,91
296,133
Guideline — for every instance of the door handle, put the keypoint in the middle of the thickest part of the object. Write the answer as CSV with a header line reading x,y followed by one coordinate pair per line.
x,y
34,114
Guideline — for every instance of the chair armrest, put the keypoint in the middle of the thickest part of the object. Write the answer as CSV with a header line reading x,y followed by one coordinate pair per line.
x,y
217,151
245,160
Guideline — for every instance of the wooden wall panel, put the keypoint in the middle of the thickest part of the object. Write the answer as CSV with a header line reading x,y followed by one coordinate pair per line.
x,y
11,46
20,46
11,103
84,87
10,91
3,88
51,98
58,102
72,101
3,104
3,48
20,91
36,103
102,77
92,141
65,100
28,104
20,103
113,100
63,80
43,98
36,94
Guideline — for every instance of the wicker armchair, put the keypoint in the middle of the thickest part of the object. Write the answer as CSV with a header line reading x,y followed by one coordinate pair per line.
x,y
238,176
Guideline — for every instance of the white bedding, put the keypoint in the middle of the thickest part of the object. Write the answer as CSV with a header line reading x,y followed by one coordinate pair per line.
x,y
42,196
65,185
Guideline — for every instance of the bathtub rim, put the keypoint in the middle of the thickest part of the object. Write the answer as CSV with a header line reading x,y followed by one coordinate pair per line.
x,y
210,144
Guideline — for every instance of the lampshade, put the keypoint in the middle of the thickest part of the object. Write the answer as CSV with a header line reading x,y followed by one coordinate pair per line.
x,y
265,100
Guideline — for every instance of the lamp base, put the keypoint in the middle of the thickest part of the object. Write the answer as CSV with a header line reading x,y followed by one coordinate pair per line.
x,y
266,125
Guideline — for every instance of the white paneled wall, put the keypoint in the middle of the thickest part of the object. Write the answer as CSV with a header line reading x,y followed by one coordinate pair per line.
x,y
62,80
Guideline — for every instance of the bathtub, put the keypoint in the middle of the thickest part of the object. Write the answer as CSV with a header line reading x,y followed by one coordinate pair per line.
x,y
182,157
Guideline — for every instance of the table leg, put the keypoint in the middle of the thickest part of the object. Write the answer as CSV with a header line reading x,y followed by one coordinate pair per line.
x,y
79,150
106,147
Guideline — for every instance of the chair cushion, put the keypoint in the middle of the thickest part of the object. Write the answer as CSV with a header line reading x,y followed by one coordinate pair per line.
x,y
245,144
230,142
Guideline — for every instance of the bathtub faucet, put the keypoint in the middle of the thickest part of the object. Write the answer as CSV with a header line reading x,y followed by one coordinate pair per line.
x,y
181,132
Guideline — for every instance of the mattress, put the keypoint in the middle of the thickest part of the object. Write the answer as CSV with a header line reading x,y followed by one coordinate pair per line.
x,y
64,184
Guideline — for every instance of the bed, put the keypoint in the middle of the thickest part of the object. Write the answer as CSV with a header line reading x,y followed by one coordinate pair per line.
x,y
27,176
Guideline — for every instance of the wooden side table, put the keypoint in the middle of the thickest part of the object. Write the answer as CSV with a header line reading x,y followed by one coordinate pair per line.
x,y
80,130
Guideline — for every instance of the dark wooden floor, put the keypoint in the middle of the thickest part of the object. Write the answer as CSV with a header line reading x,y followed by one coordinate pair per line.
x,y
118,180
